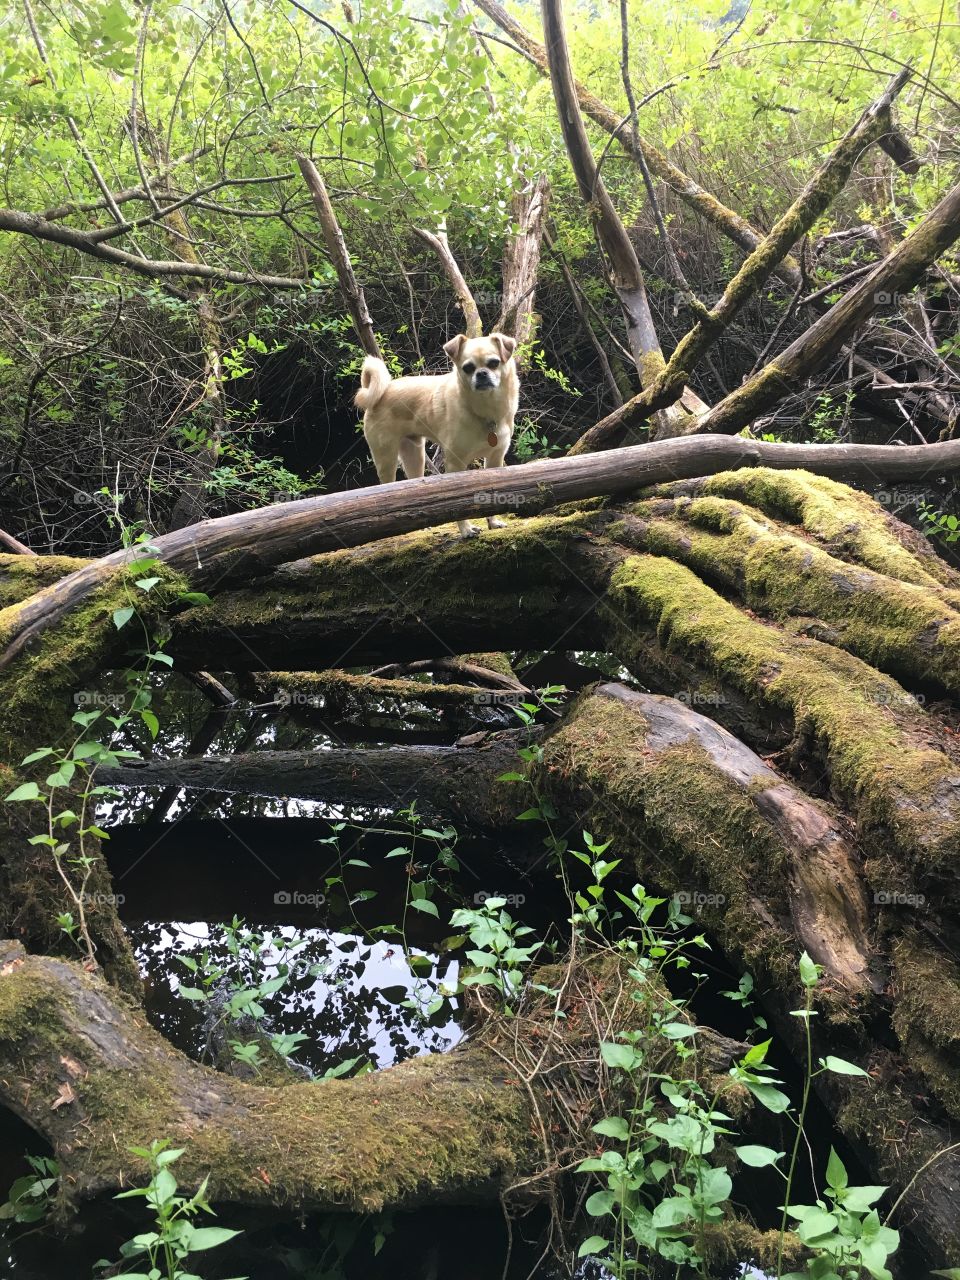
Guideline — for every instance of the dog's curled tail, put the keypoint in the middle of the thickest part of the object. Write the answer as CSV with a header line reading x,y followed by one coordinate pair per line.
x,y
374,380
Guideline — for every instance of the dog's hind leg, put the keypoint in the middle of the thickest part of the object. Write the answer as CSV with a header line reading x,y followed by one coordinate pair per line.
x,y
384,454
413,456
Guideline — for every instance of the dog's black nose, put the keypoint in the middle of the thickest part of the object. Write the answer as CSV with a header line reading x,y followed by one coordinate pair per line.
x,y
482,378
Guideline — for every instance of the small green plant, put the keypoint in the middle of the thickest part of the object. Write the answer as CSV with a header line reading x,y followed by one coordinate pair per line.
x,y
429,856
29,1198
163,1251
497,956
69,791
942,525
530,443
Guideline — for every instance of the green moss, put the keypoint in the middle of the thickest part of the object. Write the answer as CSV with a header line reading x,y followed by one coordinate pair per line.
x,y
898,626
849,524
22,576
688,827
927,990
875,746
408,578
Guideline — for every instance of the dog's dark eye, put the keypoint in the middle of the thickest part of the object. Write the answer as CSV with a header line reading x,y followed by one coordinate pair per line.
x,y
468,367
493,363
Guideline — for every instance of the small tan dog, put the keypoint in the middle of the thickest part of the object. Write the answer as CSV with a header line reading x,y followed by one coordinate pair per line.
x,y
469,411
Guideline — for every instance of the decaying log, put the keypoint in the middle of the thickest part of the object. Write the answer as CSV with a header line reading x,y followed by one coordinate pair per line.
x,y
455,782
248,543
92,1077
694,809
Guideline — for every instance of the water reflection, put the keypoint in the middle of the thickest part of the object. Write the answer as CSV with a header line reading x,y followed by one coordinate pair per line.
x,y
351,997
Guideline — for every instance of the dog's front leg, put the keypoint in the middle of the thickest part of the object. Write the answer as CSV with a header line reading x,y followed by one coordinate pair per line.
x,y
495,459
450,465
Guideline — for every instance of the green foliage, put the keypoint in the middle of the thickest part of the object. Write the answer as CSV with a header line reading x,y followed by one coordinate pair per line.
x,y
942,525
29,1198
175,1236
497,957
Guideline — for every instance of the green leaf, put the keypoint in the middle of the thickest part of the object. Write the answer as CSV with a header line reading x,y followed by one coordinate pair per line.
x,y
425,905
146,584
836,1172
151,721
599,1203
210,1237
620,1056
860,1199
755,1055
758,1157
678,1030
122,616
25,791
594,1245
841,1067
809,972
774,1100
613,1127
816,1224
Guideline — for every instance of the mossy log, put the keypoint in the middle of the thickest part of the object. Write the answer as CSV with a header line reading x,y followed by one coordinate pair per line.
x,y
90,1075
248,543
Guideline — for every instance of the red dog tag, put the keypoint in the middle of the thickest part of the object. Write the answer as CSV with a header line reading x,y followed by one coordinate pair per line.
x,y
492,439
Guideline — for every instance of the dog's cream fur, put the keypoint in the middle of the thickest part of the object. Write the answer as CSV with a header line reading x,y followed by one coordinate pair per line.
x,y
469,411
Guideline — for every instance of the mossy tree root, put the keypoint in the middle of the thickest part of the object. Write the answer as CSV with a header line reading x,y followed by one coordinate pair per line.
x,y
91,1076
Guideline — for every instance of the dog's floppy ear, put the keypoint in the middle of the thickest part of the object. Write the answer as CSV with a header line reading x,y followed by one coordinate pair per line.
x,y
454,346
506,346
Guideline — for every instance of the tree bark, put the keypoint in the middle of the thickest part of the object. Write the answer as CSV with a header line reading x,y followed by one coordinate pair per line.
x,y
625,274
249,543
521,261
350,287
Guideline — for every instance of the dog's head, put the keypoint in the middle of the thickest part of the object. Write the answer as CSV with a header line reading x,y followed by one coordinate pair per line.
x,y
480,362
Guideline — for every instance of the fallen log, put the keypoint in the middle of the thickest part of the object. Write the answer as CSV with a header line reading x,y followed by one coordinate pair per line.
x,y
249,543
90,1076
